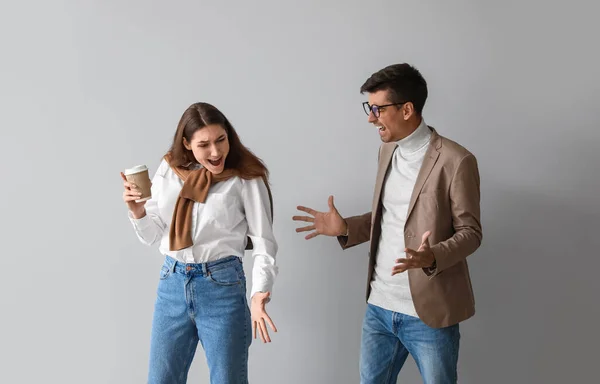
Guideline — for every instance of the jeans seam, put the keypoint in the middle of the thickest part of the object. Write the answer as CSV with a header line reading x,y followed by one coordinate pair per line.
x,y
391,365
244,370
189,362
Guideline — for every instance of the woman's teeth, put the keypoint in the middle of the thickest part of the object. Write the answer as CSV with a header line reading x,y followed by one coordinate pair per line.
x,y
215,162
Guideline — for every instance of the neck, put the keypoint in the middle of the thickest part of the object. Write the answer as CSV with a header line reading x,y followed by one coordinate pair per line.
x,y
414,124
418,138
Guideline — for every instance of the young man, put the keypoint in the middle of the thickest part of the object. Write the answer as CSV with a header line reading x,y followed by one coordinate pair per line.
x,y
423,224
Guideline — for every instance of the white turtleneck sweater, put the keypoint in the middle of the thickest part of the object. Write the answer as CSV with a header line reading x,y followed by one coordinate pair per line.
x,y
387,291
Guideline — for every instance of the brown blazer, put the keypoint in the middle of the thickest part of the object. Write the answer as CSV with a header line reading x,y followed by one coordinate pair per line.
x,y
445,201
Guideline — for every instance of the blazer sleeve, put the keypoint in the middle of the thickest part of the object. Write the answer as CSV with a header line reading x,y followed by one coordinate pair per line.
x,y
464,197
359,231
359,227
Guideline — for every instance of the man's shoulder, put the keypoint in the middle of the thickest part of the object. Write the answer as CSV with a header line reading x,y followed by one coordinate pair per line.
x,y
450,149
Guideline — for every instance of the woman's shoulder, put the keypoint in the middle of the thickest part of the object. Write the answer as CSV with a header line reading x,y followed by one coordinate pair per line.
x,y
163,168
258,180
256,184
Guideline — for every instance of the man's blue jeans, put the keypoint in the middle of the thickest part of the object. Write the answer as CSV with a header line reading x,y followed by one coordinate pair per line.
x,y
201,302
387,339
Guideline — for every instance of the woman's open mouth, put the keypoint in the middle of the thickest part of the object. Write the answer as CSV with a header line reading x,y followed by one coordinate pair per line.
x,y
217,162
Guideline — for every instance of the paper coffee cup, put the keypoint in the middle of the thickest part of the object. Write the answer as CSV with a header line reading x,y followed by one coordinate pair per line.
x,y
139,176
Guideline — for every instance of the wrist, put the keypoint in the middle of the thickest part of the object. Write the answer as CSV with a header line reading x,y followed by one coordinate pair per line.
x,y
138,214
433,264
344,229
260,299
258,296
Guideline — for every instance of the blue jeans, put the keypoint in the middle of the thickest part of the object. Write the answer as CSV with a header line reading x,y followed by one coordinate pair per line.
x,y
201,302
387,339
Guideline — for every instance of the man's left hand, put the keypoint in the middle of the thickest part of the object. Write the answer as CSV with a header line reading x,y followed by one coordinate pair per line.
x,y
421,258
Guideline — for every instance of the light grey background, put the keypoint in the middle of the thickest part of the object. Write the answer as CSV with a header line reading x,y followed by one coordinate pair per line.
x,y
89,88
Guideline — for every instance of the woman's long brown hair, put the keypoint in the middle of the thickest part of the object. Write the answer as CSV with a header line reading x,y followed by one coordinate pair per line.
x,y
198,116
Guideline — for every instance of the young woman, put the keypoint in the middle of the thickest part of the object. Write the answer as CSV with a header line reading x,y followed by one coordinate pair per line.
x,y
210,201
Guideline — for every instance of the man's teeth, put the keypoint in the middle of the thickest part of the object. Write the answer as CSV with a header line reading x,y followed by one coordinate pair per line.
x,y
380,127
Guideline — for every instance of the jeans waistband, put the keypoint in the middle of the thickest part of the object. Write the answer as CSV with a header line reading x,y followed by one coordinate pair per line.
x,y
201,268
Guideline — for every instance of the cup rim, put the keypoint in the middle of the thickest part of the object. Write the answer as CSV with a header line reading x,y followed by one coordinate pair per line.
x,y
135,169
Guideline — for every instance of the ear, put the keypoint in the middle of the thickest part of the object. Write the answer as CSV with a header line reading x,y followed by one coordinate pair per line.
x,y
408,110
187,145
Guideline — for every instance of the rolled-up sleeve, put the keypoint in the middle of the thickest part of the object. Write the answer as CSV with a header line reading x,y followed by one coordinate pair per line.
x,y
257,208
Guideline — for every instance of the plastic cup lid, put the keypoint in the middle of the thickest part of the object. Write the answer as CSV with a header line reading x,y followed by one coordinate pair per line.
x,y
136,169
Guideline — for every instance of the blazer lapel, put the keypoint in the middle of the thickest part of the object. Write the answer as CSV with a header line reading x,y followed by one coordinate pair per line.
x,y
429,161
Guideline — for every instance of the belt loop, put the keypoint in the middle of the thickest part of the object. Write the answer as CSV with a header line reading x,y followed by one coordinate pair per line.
x,y
173,264
205,271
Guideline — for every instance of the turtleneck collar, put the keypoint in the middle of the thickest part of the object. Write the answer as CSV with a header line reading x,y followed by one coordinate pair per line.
x,y
416,140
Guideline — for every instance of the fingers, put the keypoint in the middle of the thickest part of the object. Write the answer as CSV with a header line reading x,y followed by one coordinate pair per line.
x,y
126,183
411,252
399,269
410,263
264,335
310,211
311,235
271,324
413,260
131,194
260,318
425,239
129,199
264,327
129,185
330,203
308,219
304,229
405,264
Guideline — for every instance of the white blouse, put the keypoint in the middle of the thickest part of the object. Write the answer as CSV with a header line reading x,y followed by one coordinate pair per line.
x,y
234,209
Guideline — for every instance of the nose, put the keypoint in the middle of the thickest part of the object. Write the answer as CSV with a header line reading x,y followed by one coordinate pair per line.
x,y
372,118
214,151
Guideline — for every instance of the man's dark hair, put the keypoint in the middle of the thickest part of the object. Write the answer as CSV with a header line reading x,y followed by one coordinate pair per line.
x,y
403,82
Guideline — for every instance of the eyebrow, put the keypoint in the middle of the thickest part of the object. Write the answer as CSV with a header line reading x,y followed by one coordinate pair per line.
x,y
218,138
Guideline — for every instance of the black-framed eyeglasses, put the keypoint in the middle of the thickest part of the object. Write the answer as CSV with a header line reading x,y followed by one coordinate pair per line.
x,y
376,109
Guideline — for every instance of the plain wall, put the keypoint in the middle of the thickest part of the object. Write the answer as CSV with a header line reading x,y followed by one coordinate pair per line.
x,y
89,88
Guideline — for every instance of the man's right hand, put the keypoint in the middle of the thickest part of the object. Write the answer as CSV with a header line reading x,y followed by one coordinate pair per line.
x,y
323,223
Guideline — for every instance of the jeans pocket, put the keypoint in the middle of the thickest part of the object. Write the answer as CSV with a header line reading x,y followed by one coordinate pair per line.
x,y
230,275
165,271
